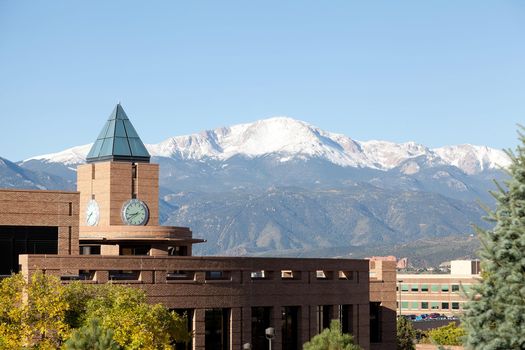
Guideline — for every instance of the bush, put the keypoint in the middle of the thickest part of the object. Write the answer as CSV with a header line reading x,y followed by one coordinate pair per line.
x,y
332,339
447,335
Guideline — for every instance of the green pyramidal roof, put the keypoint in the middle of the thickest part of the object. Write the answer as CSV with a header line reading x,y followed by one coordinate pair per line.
x,y
118,140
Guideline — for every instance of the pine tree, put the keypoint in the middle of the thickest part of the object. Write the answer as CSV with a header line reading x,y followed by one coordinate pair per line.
x,y
91,337
405,334
332,339
495,316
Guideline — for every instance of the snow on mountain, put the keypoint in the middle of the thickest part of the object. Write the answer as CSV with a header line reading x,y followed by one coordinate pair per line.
x,y
287,139
70,156
473,159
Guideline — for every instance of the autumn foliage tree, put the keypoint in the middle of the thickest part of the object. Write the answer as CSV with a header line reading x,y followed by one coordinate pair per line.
x,y
32,314
43,314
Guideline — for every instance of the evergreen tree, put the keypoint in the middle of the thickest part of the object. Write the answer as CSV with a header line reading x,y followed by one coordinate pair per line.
x,y
332,339
405,334
92,337
495,316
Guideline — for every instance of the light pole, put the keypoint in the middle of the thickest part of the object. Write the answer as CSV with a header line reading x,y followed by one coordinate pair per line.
x,y
399,289
270,333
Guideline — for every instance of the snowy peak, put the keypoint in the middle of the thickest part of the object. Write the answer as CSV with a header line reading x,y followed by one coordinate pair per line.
x,y
287,138
473,159
70,156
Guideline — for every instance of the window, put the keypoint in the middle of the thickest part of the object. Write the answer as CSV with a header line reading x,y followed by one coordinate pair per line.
x,y
324,315
434,288
290,275
444,287
434,305
217,329
404,287
455,288
415,288
444,306
261,319
404,304
346,318
414,305
124,275
290,327
180,275
323,275
189,328
134,249
455,306
346,275
217,275
89,250
259,275
375,322
178,251
424,305
424,287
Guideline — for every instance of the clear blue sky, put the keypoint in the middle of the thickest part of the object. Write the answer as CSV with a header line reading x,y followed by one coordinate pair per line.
x,y
434,72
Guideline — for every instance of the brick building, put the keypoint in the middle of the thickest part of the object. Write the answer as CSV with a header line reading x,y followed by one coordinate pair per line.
x,y
109,231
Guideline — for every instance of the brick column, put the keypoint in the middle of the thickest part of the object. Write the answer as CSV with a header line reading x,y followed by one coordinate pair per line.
x,y
246,325
363,328
198,329
235,327
304,324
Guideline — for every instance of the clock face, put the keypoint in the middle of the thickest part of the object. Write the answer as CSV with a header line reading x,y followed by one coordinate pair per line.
x,y
92,213
135,212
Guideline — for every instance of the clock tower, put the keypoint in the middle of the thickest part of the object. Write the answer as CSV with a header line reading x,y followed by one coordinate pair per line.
x,y
119,193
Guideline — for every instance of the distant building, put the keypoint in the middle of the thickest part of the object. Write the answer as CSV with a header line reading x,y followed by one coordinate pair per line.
x,y
400,264
439,293
109,231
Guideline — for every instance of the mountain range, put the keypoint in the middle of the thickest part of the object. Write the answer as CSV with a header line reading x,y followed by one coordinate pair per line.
x,y
281,186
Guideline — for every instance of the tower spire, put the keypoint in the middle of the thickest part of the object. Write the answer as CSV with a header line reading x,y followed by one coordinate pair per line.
x,y
118,141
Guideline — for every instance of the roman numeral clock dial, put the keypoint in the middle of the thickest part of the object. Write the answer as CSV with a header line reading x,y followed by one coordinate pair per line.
x,y
135,212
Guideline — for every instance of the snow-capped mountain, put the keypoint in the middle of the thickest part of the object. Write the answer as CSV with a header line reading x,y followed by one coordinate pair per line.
x,y
283,186
291,139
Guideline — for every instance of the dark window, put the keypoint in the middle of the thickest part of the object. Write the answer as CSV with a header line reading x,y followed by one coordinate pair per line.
x,y
261,317
16,240
455,288
217,275
89,250
324,316
444,306
346,318
180,275
178,251
134,249
375,322
455,306
290,327
424,304
189,327
217,329
124,275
